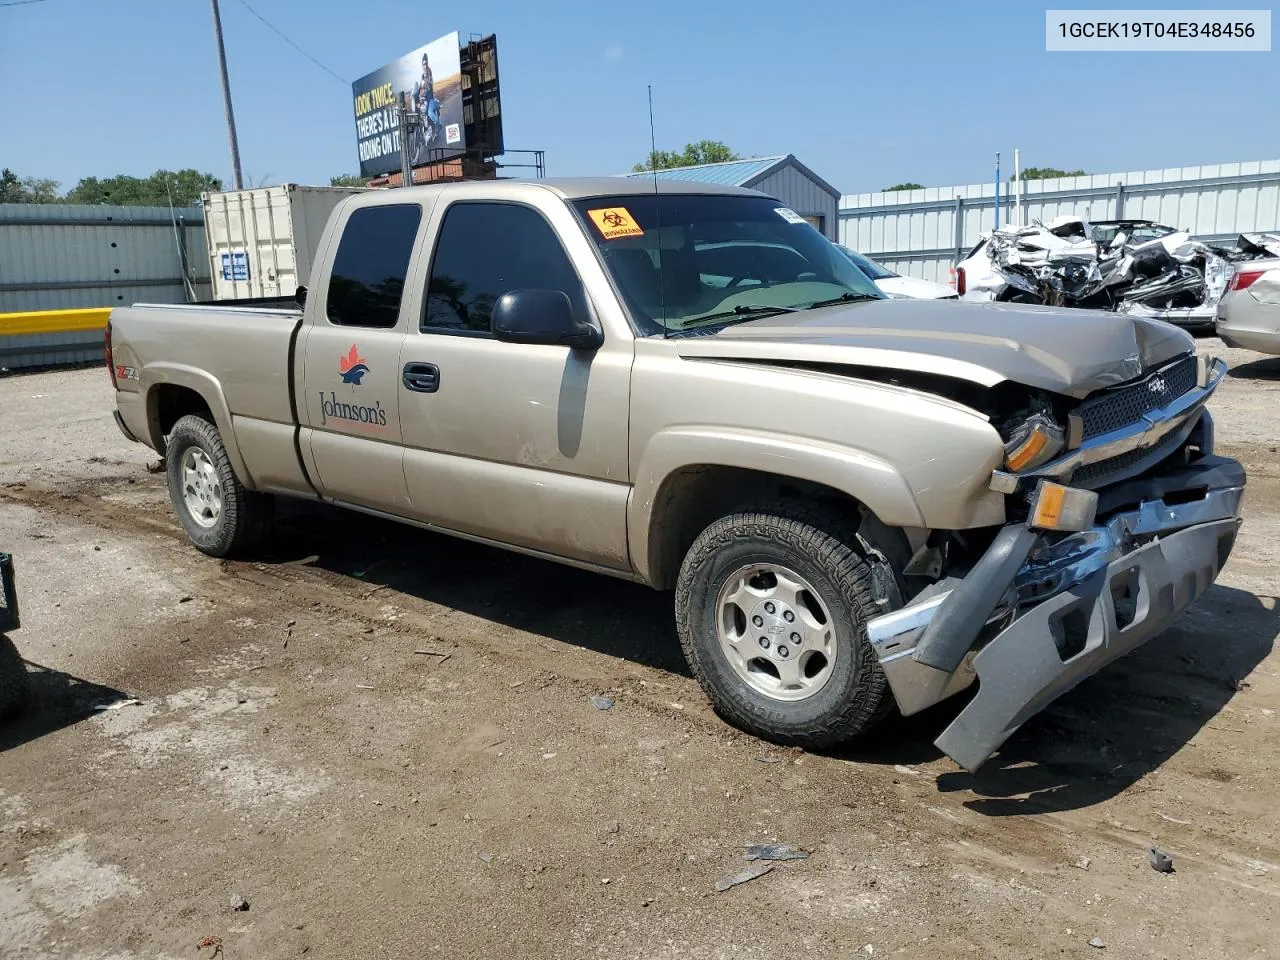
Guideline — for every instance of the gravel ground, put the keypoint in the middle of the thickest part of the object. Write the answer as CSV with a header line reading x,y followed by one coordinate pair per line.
x,y
293,749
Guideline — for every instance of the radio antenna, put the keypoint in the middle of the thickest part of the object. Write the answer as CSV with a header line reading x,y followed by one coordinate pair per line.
x,y
657,216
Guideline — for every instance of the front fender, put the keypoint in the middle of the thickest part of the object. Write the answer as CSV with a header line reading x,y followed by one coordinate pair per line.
x,y
869,480
210,390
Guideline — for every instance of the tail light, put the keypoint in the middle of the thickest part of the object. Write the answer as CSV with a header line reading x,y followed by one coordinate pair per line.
x,y
960,281
107,357
1245,279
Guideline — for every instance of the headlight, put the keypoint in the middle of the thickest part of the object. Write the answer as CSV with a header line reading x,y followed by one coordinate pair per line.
x,y
1035,441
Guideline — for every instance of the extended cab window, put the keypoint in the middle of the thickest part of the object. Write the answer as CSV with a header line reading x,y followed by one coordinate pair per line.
x,y
371,265
485,250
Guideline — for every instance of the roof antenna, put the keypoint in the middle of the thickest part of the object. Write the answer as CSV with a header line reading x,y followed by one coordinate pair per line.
x,y
657,217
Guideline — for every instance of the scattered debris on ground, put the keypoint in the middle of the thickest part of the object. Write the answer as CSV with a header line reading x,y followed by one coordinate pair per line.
x,y
601,702
117,704
239,904
746,876
775,851
1159,860
442,654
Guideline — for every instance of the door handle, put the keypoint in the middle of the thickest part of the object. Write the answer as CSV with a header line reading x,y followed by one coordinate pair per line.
x,y
422,377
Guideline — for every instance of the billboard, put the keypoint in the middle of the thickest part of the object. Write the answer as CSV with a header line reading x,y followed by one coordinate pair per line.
x,y
428,82
481,101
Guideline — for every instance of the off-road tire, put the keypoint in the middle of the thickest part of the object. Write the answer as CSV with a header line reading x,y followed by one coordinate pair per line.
x,y
245,517
821,546
14,686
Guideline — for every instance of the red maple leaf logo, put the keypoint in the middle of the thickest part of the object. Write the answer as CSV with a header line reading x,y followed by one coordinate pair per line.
x,y
352,367
350,360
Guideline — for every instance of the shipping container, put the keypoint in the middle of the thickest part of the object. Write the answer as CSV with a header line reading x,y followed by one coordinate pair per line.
x,y
263,241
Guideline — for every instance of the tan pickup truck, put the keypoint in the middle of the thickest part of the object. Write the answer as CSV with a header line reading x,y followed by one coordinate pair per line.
x,y
859,503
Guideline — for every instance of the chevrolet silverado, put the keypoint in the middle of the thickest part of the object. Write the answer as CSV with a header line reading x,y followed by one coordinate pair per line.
x,y
859,503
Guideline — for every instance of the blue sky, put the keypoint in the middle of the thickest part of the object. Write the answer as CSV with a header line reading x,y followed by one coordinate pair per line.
x,y
865,94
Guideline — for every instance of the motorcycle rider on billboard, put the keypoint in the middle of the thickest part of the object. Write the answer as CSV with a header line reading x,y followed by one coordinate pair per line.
x,y
425,101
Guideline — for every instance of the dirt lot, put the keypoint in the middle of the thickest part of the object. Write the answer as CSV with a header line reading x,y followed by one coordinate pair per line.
x,y
293,748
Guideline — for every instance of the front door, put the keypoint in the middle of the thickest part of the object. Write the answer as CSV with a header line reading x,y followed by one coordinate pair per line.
x,y
351,373
523,444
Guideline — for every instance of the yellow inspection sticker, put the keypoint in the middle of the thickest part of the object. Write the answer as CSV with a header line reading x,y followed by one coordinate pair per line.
x,y
615,222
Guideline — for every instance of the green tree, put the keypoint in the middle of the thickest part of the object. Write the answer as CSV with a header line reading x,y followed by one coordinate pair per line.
x,y
348,180
1048,173
15,189
182,188
904,186
693,154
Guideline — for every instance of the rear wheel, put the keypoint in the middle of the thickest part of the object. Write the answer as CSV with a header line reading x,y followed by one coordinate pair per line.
x,y
14,687
771,607
221,517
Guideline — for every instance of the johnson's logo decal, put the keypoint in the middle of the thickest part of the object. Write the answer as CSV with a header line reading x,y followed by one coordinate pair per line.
x,y
352,367
371,417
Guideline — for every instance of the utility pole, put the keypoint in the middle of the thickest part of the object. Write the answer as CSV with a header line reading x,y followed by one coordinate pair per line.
x,y
1017,189
406,134
237,178
997,191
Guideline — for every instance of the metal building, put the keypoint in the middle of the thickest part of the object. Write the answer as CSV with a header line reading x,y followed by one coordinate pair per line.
x,y
61,255
63,266
923,233
783,177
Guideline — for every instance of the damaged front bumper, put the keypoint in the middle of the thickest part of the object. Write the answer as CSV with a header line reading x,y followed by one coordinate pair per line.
x,y
1067,604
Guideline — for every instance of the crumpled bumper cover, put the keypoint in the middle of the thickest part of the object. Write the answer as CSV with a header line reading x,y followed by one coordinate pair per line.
x,y
1069,604
1111,613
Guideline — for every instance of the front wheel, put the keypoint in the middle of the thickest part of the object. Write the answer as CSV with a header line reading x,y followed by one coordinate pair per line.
x,y
221,517
771,608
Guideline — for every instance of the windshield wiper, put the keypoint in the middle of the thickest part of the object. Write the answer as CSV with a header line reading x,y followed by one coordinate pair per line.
x,y
843,298
742,312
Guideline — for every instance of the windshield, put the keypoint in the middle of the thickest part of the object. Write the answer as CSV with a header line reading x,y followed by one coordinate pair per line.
x,y
723,259
872,269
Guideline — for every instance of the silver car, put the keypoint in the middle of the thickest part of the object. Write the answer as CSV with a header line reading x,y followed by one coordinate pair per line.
x,y
1249,314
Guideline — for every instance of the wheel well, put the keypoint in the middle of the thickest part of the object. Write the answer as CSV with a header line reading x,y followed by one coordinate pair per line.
x,y
168,403
694,496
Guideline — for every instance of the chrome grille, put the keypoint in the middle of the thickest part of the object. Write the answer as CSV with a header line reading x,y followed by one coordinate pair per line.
x,y
1124,465
1121,406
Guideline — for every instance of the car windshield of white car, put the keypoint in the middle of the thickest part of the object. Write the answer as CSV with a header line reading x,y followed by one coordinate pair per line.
x,y
872,269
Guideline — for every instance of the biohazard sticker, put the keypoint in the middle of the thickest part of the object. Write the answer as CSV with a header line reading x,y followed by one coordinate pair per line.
x,y
789,215
615,222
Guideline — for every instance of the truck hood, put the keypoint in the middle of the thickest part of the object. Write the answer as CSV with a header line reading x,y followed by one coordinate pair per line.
x,y
1072,352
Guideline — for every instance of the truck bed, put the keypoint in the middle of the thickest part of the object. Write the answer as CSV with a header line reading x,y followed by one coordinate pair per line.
x,y
245,349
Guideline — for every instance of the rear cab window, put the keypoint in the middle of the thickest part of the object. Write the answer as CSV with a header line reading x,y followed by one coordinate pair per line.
x,y
367,280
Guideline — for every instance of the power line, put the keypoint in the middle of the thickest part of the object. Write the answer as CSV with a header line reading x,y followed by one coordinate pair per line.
x,y
19,3
280,33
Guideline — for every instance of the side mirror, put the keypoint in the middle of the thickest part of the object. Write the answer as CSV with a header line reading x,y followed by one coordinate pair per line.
x,y
300,295
543,316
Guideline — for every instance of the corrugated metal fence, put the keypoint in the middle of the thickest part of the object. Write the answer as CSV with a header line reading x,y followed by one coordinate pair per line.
x,y
60,256
923,233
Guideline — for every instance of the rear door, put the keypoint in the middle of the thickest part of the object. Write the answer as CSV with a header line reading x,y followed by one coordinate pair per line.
x,y
350,357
